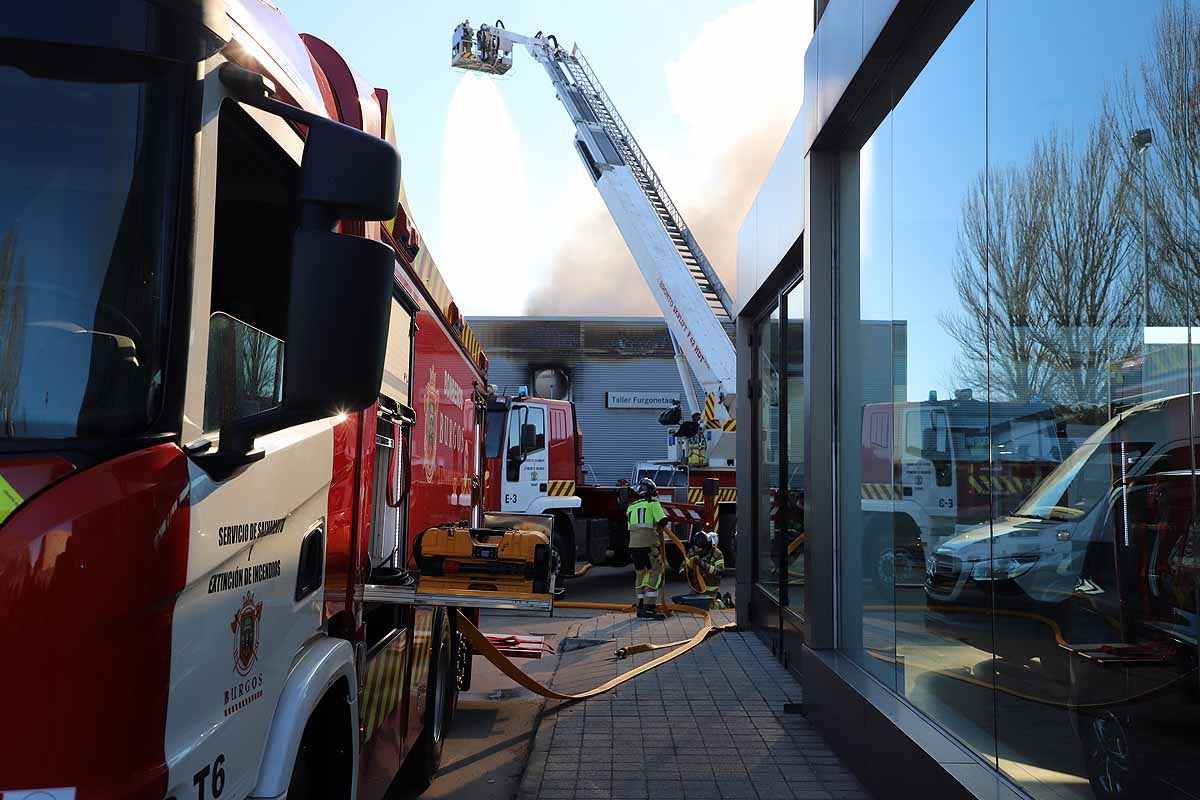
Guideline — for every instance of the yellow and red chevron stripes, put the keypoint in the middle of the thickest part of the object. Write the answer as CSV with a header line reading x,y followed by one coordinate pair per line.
x,y
725,494
1001,484
710,415
382,686
881,491
560,488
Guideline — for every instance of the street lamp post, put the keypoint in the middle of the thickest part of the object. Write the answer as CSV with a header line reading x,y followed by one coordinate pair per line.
x,y
1141,141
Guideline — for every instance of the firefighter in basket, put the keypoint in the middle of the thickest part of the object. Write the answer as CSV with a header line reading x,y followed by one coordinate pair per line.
x,y
647,522
704,566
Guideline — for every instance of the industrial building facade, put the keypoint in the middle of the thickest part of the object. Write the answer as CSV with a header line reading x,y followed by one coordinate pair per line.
x,y
968,347
619,372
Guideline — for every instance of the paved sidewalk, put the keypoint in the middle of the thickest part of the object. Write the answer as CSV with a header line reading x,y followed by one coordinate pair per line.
x,y
709,724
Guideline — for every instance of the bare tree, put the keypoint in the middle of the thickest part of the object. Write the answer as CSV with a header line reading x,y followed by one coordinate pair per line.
x,y
1164,97
12,328
996,271
1089,274
1046,272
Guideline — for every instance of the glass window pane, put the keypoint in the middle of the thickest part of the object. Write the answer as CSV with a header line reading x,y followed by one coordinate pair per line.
x,y
793,520
769,511
870,375
1093,292
941,467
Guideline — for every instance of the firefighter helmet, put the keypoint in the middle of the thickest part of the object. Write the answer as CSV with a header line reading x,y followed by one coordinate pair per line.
x,y
647,489
701,542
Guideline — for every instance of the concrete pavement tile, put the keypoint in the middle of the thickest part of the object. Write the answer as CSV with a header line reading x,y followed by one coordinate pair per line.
x,y
700,790
665,789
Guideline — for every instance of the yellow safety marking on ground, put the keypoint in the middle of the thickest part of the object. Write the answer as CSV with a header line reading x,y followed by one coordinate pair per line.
x,y
9,499
561,488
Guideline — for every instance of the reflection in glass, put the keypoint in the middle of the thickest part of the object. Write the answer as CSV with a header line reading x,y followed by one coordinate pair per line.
x,y
1019,544
793,519
245,371
1093,306
872,374
769,514
86,178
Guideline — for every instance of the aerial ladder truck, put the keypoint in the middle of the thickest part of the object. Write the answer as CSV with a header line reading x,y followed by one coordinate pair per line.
x,y
691,295
693,300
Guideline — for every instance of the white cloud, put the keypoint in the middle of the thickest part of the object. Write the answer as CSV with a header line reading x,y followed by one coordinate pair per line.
x,y
486,215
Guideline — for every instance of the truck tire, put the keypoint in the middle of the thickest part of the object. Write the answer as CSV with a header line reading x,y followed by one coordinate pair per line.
x,y
323,763
426,756
879,557
563,542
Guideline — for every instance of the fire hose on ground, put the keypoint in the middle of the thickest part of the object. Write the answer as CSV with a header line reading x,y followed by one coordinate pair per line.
x,y
484,647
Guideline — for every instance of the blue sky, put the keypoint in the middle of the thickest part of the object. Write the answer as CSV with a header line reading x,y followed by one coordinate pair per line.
x,y
495,184
1005,78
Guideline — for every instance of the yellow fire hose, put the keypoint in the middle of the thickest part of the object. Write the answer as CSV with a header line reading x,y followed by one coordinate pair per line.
x,y
485,648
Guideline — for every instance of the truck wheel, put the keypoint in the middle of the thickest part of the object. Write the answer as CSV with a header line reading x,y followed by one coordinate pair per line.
x,y
879,560
323,762
563,542
422,763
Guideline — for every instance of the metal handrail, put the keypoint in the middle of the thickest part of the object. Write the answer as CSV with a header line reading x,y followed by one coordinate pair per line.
x,y
672,211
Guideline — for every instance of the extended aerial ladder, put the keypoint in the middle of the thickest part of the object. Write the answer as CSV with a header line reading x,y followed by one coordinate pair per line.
x,y
692,297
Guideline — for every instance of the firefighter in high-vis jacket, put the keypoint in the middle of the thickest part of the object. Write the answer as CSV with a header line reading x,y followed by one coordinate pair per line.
x,y
704,566
647,521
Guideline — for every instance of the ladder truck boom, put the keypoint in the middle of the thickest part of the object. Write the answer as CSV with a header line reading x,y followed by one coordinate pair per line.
x,y
687,289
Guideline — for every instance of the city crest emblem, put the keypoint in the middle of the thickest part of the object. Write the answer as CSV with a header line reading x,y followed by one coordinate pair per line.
x,y
245,628
429,445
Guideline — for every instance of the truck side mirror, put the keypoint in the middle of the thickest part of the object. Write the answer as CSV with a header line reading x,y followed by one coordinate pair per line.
x,y
529,438
341,285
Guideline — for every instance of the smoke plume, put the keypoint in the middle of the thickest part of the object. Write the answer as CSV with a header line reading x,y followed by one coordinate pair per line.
x,y
735,99
595,275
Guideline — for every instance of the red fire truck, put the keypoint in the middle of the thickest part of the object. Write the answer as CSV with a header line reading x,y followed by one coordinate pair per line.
x,y
534,465
227,394
933,469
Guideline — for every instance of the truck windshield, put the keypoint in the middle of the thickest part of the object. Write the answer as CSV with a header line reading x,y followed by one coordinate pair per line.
x,y
88,167
1085,477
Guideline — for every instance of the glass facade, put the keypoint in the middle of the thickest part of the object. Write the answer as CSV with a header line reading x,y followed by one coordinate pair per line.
x,y
793,519
1018,437
1014,544
767,366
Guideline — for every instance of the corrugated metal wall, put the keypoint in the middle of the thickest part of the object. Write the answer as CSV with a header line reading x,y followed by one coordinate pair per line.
x,y
613,439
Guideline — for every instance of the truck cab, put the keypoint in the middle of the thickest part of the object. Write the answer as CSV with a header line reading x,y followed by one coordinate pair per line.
x,y
933,469
534,454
